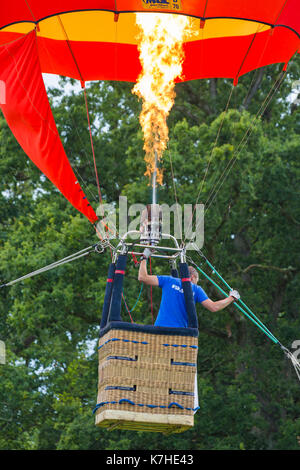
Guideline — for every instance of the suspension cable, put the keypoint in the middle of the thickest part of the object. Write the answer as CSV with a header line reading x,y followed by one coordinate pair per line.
x,y
175,194
92,144
223,118
99,248
211,155
254,318
130,310
246,311
217,186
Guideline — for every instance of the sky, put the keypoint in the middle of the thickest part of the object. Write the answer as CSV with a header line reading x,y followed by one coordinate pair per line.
x,y
52,81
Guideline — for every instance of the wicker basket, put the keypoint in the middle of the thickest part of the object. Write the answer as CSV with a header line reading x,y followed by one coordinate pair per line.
x,y
146,381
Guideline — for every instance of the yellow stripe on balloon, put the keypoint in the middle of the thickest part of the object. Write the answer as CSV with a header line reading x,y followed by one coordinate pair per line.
x,y
100,26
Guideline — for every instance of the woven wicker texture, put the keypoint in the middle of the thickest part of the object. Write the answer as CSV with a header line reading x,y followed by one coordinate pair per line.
x,y
150,372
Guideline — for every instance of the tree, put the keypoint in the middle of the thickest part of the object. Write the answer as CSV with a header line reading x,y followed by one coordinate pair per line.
x,y
245,170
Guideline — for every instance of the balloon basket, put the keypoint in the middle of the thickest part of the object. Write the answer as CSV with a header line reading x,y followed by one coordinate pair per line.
x,y
147,378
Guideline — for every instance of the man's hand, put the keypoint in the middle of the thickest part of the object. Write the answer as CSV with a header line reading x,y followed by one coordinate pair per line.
x,y
234,294
147,252
144,277
220,304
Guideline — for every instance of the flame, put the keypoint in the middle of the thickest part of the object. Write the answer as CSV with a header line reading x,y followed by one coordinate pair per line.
x,y
160,42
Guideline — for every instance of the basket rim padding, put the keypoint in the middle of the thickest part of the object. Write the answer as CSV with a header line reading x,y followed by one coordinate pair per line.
x,y
159,330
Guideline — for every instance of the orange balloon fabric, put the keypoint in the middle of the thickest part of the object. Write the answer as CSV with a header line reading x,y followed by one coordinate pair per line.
x,y
97,40
27,111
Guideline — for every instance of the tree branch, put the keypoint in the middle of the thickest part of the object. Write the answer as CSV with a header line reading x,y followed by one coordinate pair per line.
x,y
274,268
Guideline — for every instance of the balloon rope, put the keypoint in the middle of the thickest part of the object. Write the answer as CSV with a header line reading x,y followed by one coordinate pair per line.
x,y
240,301
67,259
254,319
126,306
210,157
74,124
70,48
222,121
248,313
175,195
28,6
92,144
95,167
213,193
85,98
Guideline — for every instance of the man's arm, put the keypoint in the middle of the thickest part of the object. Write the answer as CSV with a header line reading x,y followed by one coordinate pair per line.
x,y
220,304
146,278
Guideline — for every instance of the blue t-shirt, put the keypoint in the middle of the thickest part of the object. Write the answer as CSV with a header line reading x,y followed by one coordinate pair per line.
x,y
172,310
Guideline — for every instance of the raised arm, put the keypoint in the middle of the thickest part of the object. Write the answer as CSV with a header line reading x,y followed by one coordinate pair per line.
x,y
144,277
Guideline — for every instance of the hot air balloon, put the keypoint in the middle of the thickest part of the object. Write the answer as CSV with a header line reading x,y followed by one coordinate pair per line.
x,y
97,40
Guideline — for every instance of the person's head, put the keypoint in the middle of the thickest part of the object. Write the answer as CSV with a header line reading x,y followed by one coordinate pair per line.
x,y
193,275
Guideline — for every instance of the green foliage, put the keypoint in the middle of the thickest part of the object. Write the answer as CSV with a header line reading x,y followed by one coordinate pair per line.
x,y
248,392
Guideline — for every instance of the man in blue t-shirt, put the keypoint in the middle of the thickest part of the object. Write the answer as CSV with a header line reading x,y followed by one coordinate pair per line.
x,y
172,310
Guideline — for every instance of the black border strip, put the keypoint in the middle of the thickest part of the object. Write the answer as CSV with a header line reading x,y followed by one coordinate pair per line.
x,y
162,12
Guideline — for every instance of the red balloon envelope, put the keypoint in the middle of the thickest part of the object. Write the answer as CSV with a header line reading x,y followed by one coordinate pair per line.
x,y
97,40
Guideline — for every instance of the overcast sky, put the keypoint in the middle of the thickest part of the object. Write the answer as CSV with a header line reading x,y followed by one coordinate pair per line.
x,y
52,81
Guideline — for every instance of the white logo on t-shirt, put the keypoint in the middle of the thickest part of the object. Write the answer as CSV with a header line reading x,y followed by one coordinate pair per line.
x,y
177,288
174,286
